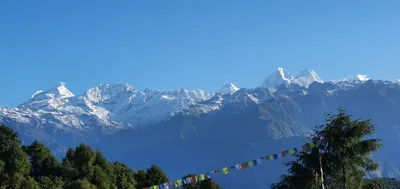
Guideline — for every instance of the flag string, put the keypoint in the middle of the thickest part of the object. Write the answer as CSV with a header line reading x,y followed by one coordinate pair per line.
x,y
241,166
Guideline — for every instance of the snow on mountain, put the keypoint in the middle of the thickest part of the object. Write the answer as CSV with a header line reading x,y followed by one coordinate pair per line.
x,y
228,88
398,81
113,106
277,78
119,106
49,99
306,77
359,78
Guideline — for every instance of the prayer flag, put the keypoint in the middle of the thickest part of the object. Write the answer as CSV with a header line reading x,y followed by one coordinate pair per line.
x,y
238,167
250,163
193,178
225,170
202,177
166,186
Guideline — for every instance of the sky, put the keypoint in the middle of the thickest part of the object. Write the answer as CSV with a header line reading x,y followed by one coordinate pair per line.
x,y
190,44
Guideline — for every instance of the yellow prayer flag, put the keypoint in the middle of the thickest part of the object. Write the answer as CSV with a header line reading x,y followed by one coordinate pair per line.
x,y
311,144
202,177
271,157
291,151
250,163
225,170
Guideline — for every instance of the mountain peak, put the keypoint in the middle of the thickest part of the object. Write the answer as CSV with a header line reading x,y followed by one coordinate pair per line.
x,y
362,77
281,76
59,91
228,88
306,77
358,78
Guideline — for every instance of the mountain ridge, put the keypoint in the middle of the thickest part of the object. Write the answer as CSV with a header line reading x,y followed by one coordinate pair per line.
x,y
121,106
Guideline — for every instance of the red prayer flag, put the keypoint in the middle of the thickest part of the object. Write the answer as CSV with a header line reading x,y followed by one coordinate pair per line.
x,y
193,178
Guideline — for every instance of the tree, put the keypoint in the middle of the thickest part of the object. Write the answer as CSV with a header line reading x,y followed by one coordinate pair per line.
x,y
101,179
80,184
51,182
141,179
34,167
19,181
346,155
156,175
43,162
78,163
15,160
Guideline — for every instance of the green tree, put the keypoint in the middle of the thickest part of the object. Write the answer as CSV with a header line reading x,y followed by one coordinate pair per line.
x,y
125,176
156,176
78,163
80,184
141,179
15,160
346,155
19,181
372,184
50,182
43,162
101,179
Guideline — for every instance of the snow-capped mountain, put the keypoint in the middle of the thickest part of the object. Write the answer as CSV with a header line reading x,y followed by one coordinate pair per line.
x,y
115,106
281,76
228,88
306,77
277,78
250,120
121,106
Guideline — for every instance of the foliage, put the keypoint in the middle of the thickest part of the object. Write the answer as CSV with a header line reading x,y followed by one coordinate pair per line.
x,y
346,156
383,183
35,167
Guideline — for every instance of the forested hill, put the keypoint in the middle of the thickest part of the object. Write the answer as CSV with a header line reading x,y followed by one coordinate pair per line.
x,y
35,167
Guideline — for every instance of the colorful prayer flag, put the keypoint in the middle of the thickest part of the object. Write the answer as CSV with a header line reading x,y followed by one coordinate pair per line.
x,y
202,177
225,170
250,163
238,167
291,151
275,156
193,178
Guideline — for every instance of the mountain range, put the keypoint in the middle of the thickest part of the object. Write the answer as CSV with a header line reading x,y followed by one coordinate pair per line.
x,y
196,131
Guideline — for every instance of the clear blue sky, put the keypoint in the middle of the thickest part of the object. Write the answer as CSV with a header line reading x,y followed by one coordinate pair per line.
x,y
190,44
